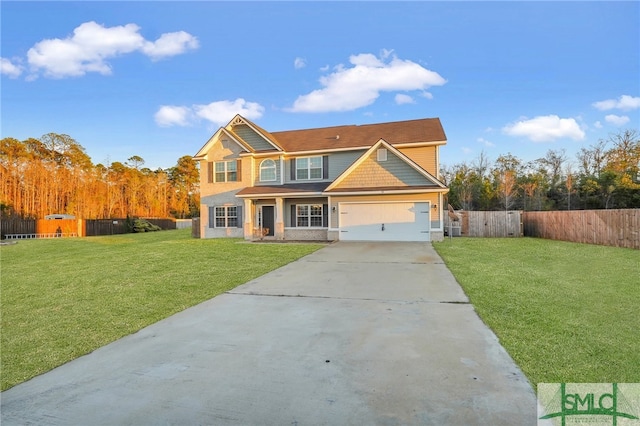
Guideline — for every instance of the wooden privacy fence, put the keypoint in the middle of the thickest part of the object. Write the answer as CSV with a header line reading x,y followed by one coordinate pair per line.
x,y
195,227
183,223
40,228
49,228
18,228
95,227
618,228
487,223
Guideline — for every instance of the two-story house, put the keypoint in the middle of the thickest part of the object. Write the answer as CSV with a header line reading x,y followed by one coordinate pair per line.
x,y
375,182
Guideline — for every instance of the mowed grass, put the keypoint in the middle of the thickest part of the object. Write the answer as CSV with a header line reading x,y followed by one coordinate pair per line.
x,y
565,312
62,298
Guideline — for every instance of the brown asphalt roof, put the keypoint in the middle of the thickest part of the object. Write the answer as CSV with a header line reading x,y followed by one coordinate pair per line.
x,y
352,136
313,188
285,189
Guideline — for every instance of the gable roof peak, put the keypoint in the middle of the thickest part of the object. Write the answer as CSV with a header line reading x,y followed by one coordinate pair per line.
x,y
240,120
393,150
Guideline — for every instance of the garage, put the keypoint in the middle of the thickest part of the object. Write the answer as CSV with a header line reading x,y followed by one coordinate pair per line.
x,y
393,221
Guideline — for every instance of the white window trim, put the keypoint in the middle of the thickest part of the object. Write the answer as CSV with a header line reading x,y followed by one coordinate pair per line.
x,y
309,216
309,168
226,171
226,216
382,154
275,171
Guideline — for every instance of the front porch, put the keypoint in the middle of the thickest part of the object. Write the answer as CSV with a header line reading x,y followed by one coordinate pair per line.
x,y
286,219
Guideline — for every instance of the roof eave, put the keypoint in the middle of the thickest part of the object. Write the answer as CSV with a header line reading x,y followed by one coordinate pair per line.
x,y
418,144
202,152
387,191
282,194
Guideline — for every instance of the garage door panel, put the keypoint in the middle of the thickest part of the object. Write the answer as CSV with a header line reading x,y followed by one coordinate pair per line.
x,y
407,221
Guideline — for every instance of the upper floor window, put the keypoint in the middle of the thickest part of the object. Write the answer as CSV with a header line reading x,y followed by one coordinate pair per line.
x,y
309,168
223,171
267,170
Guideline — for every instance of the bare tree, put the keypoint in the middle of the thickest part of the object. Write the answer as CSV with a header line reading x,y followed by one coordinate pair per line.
x,y
508,188
569,185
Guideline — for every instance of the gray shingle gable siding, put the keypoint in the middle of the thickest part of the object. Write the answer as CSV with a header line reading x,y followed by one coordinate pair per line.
x,y
340,161
256,141
391,172
401,170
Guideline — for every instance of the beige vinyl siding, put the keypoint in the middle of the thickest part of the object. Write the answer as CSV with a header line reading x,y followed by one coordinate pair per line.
x,y
223,150
256,141
394,171
430,197
424,156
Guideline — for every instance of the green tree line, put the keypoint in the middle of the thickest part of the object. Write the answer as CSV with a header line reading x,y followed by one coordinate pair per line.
x,y
54,174
605,175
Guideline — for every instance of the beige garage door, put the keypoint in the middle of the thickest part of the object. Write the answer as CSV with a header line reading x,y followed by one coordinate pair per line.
x,y
397,221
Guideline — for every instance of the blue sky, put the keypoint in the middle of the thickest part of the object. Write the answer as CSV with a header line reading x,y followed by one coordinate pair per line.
x,y
157,79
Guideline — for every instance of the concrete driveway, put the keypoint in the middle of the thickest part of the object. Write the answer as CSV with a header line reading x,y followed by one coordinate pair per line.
x,y
353,334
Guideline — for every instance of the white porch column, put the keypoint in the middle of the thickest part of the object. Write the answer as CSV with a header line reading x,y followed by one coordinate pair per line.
x,y
279,219
248,219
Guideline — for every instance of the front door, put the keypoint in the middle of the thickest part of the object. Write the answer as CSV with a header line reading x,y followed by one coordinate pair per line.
x,y
268,222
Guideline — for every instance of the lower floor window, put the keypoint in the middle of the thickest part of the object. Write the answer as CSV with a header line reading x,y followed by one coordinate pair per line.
x,y
309,215
226,217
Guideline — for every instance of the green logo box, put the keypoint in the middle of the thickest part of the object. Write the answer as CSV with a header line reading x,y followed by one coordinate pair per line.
x,y
593,404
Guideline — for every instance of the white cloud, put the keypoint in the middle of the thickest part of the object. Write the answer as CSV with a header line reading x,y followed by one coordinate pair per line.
x,y
92,45
299,63
170,44
597,125
351,88
617,120
545,128
9,69
219,112
486,142
624,102
427,95
169,115
401,98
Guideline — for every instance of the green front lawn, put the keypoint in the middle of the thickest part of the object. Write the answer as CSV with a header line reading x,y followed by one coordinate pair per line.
x,y
62,298
565,312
